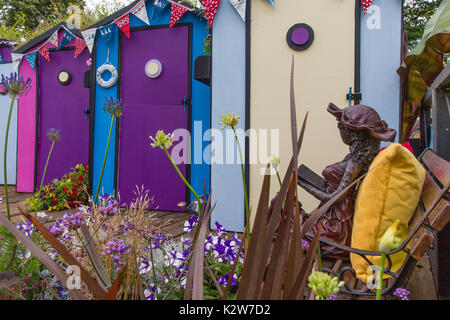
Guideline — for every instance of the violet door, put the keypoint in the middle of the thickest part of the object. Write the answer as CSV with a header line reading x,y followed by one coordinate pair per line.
x,y
149,105
62,106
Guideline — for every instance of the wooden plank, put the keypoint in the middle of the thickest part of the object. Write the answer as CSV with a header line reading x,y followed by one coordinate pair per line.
x,y
439,167
441,216
421,243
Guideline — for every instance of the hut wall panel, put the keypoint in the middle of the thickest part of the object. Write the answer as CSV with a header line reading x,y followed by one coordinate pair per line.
x,y
228,95
26,136
5,103
323,73
26,126
380,57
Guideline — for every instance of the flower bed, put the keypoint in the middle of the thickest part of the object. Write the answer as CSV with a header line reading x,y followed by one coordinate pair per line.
x,y
66,193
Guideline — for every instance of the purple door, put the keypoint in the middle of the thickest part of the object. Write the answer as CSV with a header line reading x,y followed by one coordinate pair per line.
x,y
152,104
62,106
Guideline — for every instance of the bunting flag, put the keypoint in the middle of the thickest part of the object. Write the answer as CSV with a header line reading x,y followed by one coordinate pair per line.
x,y
272,2
365,5
54,39
240,6
31,58
124,24
68,37
211,7
44,52
106,33
176,13
158,7
140,11
16,58
79,46
89,37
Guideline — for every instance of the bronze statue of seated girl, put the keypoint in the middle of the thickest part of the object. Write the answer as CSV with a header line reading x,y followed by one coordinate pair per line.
x,y
362,129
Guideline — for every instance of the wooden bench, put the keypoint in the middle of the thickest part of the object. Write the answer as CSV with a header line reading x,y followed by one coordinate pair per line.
x,y
431,216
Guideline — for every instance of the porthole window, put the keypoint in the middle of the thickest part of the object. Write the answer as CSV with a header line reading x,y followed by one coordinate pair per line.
x,y
300,36
64,77
153,68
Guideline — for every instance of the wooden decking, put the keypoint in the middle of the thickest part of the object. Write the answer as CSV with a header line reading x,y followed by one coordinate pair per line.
x,y
169,223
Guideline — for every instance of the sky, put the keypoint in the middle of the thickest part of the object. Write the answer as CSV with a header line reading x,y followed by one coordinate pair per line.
x,y
91,3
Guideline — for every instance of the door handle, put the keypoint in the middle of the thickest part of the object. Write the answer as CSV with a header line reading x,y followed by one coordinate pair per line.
x,y
185,103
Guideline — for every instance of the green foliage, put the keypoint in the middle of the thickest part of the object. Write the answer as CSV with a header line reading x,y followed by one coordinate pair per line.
x,y
22,21
416,17
68,192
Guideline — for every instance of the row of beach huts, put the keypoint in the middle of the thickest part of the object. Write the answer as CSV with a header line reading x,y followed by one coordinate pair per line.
x,y
163,72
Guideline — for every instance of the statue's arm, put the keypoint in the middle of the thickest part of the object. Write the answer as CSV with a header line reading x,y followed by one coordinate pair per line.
x,y
352,171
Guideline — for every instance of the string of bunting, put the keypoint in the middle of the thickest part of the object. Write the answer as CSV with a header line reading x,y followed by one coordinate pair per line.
x,y
208,8
43,50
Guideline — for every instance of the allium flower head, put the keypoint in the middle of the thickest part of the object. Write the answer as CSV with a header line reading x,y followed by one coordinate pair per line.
x,y
53,135
113,107
389,241
324,285
162,140
229,120
275,161
15,85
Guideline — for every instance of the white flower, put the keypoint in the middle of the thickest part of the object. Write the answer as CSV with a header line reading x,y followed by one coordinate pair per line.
x,y
41,214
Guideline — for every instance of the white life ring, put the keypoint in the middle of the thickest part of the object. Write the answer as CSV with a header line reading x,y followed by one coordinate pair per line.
x,y
114,75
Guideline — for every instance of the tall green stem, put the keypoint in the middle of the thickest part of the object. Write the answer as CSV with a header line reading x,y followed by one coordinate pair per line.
x,y
244,184
5,156
184,180
278,176
104,160
381,274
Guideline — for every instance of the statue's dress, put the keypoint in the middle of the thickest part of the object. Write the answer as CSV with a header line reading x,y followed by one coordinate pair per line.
x,y
337,221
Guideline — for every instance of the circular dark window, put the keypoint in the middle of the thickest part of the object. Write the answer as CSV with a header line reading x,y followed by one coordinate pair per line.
x,y
64,77
300,36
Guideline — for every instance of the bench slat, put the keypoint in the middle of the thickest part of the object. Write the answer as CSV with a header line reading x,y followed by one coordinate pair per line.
x,y
438,166
421,243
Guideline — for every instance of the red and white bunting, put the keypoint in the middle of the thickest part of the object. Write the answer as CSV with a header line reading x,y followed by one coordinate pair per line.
x,y
365,5
211,7
140,11
54,39
176,13
79,46
124,24
44,52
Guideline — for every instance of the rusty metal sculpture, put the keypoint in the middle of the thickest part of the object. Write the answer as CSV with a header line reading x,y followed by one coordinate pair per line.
x,y
362,129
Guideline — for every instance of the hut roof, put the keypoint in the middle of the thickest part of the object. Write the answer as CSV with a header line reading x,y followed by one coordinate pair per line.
x,y
42,37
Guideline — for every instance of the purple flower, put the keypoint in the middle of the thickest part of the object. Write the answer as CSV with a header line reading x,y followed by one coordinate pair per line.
x,y
58,228
73,221
26,228
305,245
402,293
15,85
108,205
332,297
151,291
220,230
190,224
113,107
116,251
223,280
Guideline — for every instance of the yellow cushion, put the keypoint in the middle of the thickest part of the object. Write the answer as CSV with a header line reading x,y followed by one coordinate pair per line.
x,y
390,191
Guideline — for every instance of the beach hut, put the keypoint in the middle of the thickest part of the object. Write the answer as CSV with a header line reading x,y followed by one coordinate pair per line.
x,y
150,55
56,61
346,52
6,47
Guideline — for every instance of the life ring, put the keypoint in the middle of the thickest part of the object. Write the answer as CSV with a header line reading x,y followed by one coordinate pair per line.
x,y
114,75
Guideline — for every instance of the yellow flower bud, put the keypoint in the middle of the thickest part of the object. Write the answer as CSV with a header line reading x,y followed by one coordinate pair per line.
x,y
389,241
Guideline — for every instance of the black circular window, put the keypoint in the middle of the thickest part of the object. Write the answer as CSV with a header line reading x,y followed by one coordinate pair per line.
x,y
300,36
64,77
